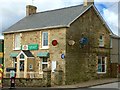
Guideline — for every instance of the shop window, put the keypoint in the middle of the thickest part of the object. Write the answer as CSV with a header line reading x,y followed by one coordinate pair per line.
x,y
101,64
101,41
44,63
17,41
22,58
45,40
21,65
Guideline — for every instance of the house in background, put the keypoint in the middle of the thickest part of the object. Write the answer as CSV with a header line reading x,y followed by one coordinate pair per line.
x,y
115,55
74,39
1,50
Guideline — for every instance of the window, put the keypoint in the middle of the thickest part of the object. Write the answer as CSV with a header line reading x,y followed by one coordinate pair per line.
x,y
30,66
15,63
17,44
101,64
44,63
101,41
45,40
21,65
22,58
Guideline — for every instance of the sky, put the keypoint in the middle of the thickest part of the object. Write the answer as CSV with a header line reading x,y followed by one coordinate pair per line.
x,y
11,11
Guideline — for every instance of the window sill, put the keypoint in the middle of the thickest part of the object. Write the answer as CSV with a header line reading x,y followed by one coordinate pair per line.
x,y
44,48
16,49
101,46
101,72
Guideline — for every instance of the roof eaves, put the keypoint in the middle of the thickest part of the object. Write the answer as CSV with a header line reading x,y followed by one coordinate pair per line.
x,y
33,29
80,15
102,19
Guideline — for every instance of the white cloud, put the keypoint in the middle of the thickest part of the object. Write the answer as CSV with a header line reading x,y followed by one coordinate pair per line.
x,y
112,19
14,10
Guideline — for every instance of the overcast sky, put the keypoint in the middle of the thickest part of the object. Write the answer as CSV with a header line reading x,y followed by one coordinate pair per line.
x,y
11,11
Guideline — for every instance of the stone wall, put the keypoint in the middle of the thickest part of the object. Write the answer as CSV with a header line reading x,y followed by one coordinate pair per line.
x,y
81,63
31,82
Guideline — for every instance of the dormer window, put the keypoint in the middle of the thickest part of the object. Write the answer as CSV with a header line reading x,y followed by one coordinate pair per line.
x,y
101,41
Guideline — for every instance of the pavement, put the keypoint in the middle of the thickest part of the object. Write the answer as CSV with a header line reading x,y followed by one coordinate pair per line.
x,y
82,85
90,83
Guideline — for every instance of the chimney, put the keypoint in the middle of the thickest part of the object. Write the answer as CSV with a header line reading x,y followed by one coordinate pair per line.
x,y
88,2
30,10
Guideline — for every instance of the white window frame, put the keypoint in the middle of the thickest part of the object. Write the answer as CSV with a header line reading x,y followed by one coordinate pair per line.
x,y
101,64
17,40
44,47
23,59
101,41
44,63
14,62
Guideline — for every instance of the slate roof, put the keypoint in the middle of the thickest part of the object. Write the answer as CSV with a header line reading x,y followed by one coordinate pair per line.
x,y
28,53
52,19
47,19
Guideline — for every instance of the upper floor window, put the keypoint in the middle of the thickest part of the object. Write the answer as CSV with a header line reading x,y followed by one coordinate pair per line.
x,y
17,42
45,40
101,64
101,41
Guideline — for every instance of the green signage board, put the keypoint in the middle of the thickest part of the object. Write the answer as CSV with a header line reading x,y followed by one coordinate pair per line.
x,y
33,47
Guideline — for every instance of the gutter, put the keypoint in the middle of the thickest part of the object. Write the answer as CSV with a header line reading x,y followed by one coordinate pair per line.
x,y
35,29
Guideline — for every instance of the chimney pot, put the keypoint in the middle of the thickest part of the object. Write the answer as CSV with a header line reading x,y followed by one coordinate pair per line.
x,y
30,10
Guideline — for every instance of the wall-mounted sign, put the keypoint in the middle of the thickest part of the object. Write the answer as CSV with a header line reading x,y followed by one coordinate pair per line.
x,y
24,47
71,42
33,47
30,47
62,56
54,42
84,40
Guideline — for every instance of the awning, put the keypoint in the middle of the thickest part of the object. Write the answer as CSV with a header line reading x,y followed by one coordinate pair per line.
x,y
43,54
13,54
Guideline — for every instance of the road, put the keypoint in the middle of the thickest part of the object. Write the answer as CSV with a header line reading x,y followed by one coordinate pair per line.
x,y
111,85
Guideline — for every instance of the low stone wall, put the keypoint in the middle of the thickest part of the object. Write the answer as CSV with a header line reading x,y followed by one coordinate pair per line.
x,y
31,82
25,82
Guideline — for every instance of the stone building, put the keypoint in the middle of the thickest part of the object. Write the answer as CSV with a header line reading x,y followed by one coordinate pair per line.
x,y
72,42
115,55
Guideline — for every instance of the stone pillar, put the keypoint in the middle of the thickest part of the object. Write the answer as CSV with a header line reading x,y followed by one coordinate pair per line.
x,y
47,77
58,77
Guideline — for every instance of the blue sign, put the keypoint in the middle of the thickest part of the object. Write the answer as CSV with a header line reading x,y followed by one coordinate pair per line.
x,y
62,56
84,40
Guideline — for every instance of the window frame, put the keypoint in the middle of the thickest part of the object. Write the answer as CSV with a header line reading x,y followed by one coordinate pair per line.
x,y
15,63
22,59
44,63
101,41
105,64
17,39
47,46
